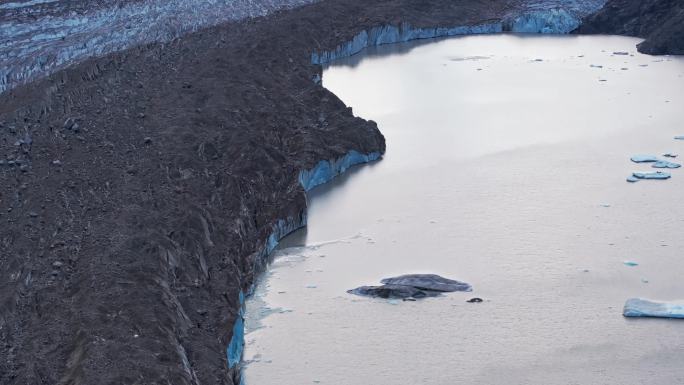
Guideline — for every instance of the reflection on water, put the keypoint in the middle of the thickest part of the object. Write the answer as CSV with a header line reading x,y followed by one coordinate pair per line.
x,y
506,167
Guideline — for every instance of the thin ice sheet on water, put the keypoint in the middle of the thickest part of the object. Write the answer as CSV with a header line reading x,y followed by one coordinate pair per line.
x,y
644,158
652,175
639,307
665,164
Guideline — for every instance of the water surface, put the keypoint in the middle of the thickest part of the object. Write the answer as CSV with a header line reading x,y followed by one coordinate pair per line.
x,y
505,168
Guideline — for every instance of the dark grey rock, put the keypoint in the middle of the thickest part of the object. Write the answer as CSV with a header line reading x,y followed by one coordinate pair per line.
x,y
393,292
432,282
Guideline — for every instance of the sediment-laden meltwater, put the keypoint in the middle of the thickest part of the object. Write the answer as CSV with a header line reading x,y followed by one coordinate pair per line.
x,y
506,167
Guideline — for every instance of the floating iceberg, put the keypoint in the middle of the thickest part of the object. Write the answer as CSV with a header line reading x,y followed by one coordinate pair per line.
x,y
644,158
680,137
666,164
630,263
638,307
652,175
632,179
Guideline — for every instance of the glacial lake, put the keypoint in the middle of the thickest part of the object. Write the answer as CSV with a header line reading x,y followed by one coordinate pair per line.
x,y
505,168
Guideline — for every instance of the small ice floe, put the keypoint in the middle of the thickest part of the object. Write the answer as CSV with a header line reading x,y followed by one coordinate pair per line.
x,y
311,286
644,158
644,280
679,137
621,53
475,300
603,80
595,66
639,307
632,179
605,205
538,60
652,175
670,155
630,263
643,65
624,69
665,164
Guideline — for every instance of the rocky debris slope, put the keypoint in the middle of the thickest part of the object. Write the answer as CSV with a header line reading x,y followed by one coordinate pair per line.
x,y
660,22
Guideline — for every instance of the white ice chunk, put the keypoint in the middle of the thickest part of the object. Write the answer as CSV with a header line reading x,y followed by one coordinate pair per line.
x,y
639,307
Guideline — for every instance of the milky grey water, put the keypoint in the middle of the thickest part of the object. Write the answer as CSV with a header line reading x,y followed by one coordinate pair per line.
x,y
505,167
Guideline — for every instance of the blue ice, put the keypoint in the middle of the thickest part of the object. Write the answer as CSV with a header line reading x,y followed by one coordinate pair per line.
x,y
639,307
644,158
666,164
652,175
630,263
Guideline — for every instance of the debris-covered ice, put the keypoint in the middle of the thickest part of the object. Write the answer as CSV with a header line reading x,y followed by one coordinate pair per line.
x,y
644,158
652,175
428,282
412,286
639,307
393,291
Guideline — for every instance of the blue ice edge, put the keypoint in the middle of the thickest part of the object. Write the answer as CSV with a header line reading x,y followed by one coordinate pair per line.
x,y
324,171
551,21
639,307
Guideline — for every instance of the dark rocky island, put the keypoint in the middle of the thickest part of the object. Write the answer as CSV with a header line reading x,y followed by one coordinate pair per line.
x,y
660,22
141,189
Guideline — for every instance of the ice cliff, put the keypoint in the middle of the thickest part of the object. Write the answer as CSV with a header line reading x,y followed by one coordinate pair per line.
x,y
547,17
324,171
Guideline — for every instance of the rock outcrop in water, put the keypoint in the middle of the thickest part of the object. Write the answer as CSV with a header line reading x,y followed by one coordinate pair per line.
x,y
660,22
412,286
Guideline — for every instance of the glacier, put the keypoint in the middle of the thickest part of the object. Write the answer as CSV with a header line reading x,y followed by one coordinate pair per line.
x,y
639,307
541,17
41,36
